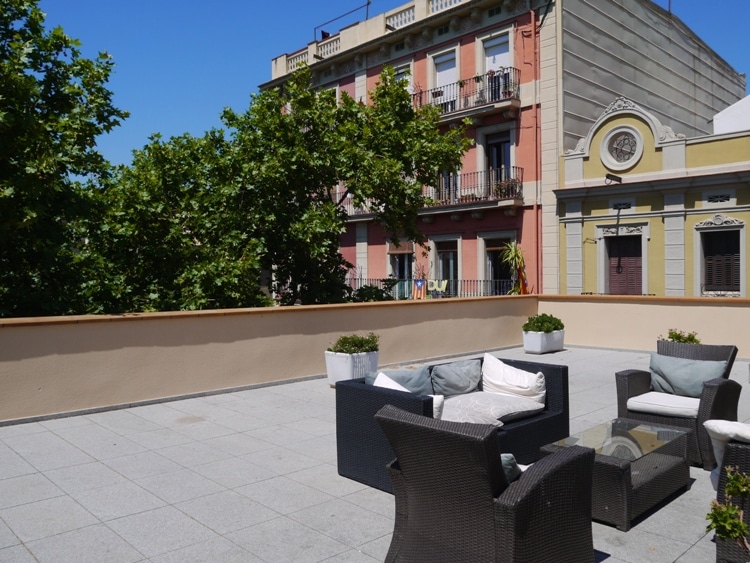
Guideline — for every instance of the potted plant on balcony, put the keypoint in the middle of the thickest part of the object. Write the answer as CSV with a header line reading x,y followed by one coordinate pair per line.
x,y
351,356
543,333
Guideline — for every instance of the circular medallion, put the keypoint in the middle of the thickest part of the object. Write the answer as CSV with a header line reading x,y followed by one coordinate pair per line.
x,y
621,148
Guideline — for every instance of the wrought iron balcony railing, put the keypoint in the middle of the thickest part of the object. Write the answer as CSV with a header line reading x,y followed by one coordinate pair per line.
x,y
437,288
465,188
471,93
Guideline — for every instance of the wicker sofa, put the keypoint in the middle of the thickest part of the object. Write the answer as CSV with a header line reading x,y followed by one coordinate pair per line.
x,y
736,454
363,450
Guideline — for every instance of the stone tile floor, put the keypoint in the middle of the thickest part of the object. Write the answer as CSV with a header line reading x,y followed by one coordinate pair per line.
x,y
251,476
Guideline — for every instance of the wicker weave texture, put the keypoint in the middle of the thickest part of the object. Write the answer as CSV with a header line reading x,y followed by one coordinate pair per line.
x,y
736,454
718,400
453,503
363,451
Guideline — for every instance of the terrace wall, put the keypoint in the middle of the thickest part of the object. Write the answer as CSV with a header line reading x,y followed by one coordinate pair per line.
x,y
50,366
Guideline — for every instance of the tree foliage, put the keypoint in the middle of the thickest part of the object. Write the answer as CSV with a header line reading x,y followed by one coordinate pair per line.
x,y
295,145
174,234
53,104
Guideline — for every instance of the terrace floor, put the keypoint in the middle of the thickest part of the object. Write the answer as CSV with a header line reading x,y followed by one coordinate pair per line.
x,y
251,476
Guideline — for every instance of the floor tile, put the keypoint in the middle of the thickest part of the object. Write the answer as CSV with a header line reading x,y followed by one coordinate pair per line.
x,y
160,531
284,495
93,544
345,522
226,511
84,477
218,550
48,517
180,485
45,450
116,501
27,488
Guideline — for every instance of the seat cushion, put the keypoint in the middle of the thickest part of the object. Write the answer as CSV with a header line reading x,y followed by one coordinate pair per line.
x,y
456,378
499,377
416,380
681,376
721,432
482,407
665,404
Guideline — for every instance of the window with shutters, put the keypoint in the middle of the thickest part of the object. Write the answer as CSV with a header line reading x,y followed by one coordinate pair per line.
x,y
625,265
721,261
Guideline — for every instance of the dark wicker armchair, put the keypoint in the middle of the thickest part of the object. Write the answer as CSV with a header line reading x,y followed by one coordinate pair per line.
x,y
363,451
453,502
718,400
736,454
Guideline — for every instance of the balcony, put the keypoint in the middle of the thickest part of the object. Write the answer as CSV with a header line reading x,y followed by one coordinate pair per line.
x,y
497,187
495,90
436,288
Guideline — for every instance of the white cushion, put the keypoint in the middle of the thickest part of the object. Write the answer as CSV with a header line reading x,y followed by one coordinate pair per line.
x,y
481,407
721,432
498,377
665,404
382,380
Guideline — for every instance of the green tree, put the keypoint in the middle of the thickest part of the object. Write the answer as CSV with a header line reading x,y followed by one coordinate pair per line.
x,y
175,233
296,144
53,104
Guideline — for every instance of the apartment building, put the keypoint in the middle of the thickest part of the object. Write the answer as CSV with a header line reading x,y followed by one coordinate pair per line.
x,y
534,77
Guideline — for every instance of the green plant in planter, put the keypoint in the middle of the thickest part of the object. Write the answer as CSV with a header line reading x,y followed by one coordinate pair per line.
x,y
675,335
727,518
355,343
543,323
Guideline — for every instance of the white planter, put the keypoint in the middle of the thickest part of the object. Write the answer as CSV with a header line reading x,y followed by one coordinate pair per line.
x,y
543,342
349,366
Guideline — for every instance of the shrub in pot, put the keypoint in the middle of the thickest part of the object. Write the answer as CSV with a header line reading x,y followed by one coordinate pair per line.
x,y
351,356
543,333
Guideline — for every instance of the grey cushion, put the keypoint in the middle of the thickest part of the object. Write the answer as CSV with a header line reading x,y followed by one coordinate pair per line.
x,y
681,376
456,378
482,407
510,467
415,380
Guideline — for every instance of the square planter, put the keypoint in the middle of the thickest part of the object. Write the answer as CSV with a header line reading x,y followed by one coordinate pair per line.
x,y
543,342
349,366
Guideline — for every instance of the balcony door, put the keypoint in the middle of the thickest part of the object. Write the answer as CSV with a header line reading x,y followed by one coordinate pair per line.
x,y
498,279
496,62
447,264
497,151
446,77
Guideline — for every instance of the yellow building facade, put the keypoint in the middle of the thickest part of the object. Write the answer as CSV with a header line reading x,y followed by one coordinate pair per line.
x,y
645,211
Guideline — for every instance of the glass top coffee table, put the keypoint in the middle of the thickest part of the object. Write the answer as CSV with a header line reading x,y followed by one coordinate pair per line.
x,y
637,466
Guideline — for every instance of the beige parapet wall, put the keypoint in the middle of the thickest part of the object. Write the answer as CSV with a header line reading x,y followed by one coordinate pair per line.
x,y
635,323
50,366
70,364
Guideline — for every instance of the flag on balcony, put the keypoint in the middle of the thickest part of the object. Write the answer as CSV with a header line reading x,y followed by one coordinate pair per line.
x,y
522,281
419,291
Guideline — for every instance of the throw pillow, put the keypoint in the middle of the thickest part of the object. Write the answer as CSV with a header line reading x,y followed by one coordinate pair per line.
x,y
510,467
721,432
499,377
481,407
382,380
681,376
456,378
415,380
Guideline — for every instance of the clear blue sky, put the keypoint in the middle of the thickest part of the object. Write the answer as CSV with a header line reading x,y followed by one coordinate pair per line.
x,y
178,63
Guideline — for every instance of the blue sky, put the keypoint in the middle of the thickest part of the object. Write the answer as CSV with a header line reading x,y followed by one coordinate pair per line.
x,y
178,63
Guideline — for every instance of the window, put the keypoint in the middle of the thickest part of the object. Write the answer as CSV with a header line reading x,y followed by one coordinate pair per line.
x,y
625,265
719,256
721,261
447,264
403,72
497,53
446,78
401,261
498,280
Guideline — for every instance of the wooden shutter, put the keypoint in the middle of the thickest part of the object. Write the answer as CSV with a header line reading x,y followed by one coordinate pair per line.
x,y
625,266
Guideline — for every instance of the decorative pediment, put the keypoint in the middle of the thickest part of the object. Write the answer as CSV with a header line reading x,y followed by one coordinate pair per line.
x,y
720,220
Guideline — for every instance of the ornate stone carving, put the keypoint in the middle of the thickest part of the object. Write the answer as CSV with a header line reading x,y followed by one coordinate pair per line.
x,y
720,220
580,147
622,230
621,104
